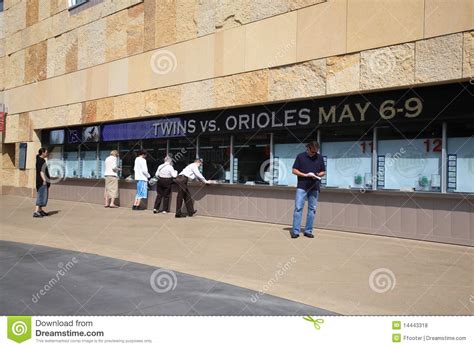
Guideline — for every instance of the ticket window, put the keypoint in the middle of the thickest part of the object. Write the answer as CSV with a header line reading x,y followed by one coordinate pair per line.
x,y
89,160
286,146
183,152
251,159
215,152
348,157
409,159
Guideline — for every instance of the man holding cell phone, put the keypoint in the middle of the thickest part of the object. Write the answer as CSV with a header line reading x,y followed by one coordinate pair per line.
x,y
309,168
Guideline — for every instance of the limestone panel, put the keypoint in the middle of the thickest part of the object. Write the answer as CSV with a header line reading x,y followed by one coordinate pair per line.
x,y
468,54
163,101
165,23
251,87
116,35
2,73
343,73
296,4
11,128
377,23
91,48
205,16
104,109
97,82
224,91
2,25
15,69
445,17
135,29
89,111
271,42
186,27
71,48
44,10
62,54
297,81
230,51
24,127
388,66
197,95
15,18
149,24
322,30
118,77
439,58
57,6
129,106
32,12
35,62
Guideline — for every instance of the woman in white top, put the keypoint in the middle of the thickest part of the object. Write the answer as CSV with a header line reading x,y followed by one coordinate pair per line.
x,y
111,179
165,175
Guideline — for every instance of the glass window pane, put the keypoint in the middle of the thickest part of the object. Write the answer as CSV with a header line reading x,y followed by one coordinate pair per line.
x,y
460,157
286,146
89,161
348,157
251,158
156,152
71,161
183,151
55,161
128,152
215,151
410,163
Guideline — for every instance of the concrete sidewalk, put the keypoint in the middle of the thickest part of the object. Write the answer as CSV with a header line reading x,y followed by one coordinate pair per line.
x,y
341,272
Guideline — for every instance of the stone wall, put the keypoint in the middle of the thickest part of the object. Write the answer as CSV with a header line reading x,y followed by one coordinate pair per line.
x,y
101,64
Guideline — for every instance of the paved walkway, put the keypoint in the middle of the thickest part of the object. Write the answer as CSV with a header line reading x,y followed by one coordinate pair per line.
x,y
341,272
39,280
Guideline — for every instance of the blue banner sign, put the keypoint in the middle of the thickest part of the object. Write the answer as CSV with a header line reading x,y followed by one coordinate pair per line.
x,y
161,128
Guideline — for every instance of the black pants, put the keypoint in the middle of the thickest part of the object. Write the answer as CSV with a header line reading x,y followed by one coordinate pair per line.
x,y
163,193
183,194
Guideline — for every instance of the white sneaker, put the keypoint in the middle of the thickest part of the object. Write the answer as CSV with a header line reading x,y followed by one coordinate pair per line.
x,y
164,212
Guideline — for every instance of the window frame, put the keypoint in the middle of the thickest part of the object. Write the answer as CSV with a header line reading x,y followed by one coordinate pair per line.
x,y
72,4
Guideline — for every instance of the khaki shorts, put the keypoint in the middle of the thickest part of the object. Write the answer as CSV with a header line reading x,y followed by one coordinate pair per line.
x,y
111,187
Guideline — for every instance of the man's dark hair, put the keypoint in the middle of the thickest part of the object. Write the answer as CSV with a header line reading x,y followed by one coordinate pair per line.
x,y
313,144
42,151
141,153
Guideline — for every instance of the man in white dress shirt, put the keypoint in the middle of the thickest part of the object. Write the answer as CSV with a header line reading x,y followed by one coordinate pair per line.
x,y
191,172
165,174
141,176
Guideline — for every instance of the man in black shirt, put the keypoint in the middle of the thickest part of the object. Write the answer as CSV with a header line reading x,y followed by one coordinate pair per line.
x,y
309,167
42,183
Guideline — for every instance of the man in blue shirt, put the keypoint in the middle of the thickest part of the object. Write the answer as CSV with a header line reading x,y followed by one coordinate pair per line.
x,y
309,167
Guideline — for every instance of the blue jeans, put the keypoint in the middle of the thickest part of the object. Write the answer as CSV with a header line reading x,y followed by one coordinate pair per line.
x,y
301,196
42,196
